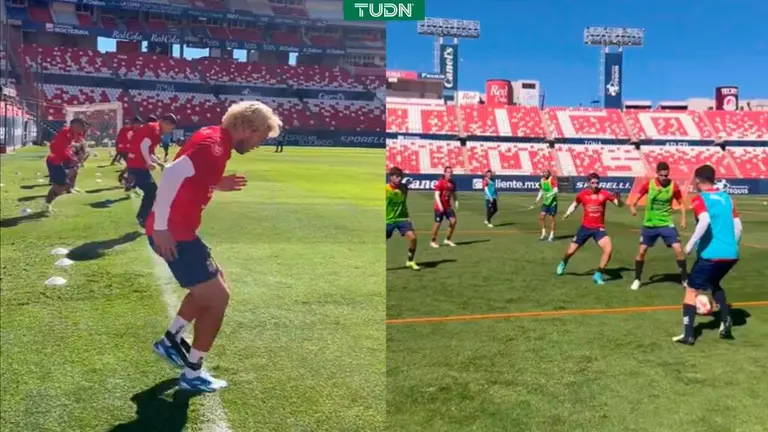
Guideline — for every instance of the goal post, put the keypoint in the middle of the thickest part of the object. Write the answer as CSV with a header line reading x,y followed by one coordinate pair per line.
x,y
105,120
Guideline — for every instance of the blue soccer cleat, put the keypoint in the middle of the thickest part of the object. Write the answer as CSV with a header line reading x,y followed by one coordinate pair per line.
x,y
598,278
203,383
166,351
561,268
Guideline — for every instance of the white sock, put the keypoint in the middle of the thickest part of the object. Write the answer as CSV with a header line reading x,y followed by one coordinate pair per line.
x,y
543,232
195,356
551,234
177,326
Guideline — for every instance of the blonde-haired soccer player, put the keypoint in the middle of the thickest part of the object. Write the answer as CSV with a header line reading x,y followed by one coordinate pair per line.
x,y
186,188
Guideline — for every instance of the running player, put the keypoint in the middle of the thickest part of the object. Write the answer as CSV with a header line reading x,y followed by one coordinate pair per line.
x,y
445,200
397,214
185,190
716,239
124,138
592,224
141,160
661,191
81,154
491,198
548,191
60,157
165,143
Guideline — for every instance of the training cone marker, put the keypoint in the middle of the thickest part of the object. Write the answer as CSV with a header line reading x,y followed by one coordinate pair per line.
x,y
56,281
26,211
59,251
64,262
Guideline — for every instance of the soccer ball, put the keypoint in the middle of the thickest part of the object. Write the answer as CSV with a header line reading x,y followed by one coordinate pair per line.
x,y
703,305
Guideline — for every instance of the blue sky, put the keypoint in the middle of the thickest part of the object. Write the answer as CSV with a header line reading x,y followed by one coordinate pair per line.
x,y
690,47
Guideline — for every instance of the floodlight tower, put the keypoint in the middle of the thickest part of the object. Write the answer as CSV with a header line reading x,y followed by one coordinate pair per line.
x,y
441,28
612,37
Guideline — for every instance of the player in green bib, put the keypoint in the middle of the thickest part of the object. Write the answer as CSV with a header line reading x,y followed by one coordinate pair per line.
x,y
657,222
397,213
547,191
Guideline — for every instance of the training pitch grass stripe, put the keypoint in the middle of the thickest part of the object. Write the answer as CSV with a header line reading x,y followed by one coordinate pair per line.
x,y
553,313
214,418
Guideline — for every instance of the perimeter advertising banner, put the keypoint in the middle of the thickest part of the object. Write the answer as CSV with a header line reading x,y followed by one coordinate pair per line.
x,y
612,97
449,66
727,98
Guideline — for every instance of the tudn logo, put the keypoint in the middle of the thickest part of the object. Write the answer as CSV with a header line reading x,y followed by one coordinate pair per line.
x,y
448,60
384,10
614,87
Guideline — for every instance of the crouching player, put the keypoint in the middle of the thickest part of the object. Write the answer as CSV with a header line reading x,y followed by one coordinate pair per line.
x,y
716,239
185,190
397,214
60,159
592,225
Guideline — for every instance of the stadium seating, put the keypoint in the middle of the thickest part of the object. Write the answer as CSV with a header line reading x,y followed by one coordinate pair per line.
x,y
752,162
190,108
509,158
424,156
684,160
667,124
57,96
606,160
747,125
348,115
436,119
292,112
67,61
586,123
153,67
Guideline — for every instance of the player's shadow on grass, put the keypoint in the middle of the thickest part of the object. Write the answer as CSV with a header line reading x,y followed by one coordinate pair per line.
x,y
106,189
503,224
156,412
14,221
674,278
34,186
471,242
738,317
97,249
426,264
107,203
615,273
30,198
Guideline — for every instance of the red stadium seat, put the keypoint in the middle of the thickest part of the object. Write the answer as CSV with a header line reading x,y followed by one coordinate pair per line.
x,y
397,119
191,109
606,160
437,119
752,162
348,115
746,125
684,160
292,112
67,61
143,66
509,158
586,123
668,124
424,156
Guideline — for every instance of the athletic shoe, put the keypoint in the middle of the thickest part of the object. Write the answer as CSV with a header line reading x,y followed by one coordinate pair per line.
x,y
635,285
412,265
598,278
204,383
166,351
434,245
561,268
449,243
681,339
725,329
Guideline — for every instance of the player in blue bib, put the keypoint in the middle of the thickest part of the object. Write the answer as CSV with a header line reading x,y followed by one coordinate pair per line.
x,y
716,239
491,197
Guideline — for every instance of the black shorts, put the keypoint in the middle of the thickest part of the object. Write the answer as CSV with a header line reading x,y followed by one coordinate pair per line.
x,y
193,264
57,174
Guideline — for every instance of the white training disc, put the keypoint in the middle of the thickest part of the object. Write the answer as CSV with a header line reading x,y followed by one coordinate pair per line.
x,y
40,180
98,174
64,262
59,251
56,281
98,180
37,174
26,211
1,185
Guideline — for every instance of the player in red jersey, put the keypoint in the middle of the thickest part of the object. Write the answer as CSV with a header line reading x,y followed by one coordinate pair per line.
x,y
124,138
60,159
592,224
445,201
141,161
186,188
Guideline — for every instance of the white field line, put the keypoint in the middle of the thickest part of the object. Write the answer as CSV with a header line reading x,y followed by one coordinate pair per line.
x,y
214,418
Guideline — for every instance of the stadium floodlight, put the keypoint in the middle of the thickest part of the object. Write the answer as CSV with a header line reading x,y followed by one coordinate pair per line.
x,y
444,27
614,36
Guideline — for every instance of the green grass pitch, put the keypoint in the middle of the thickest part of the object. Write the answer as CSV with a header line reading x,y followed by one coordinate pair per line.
x,y
303,341
601,372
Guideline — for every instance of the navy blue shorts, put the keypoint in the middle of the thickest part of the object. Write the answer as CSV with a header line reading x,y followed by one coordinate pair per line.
x,y
447,214
193,264
141,177
402,227
57,173
550,210
705,275
492,204
584,234
649,235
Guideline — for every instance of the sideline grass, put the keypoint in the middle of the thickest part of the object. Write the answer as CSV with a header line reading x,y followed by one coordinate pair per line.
x,y
303,341
565,373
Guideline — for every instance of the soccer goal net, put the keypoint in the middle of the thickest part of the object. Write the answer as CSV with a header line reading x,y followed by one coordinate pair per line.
x,y
104,120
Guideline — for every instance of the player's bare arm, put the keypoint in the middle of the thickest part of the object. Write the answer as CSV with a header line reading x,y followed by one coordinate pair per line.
x,y
438,201
232,183
683,211
572,208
